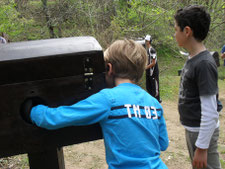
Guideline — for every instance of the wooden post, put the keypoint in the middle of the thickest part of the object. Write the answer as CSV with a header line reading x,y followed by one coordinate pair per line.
x,y
50,159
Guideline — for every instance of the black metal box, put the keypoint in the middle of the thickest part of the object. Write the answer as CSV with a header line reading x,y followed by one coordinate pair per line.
x,y
59,71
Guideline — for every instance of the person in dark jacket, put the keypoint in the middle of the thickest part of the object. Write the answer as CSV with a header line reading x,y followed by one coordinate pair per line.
x,y
152,70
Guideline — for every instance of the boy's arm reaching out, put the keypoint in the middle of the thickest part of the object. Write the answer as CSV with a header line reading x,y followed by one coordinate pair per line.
x,y
85,112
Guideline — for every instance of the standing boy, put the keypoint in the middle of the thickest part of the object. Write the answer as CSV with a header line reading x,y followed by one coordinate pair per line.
x,y
198,88
152,70
132,121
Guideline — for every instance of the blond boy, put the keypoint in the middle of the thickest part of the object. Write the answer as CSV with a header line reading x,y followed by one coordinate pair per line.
x,y
132,121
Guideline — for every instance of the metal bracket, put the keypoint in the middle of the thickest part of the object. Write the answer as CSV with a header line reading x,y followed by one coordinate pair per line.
x,y
88,73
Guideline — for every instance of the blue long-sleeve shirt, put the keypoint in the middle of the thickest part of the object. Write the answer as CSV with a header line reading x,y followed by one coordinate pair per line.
x,y
132,122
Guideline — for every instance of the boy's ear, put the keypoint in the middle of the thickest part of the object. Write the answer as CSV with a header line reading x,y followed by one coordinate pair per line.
x,y
188,31
109,69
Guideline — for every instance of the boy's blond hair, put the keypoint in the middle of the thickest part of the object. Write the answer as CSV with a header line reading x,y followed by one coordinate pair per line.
x,y
128,59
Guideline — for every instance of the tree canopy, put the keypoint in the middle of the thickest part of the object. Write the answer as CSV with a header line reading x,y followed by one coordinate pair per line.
x,y
106,20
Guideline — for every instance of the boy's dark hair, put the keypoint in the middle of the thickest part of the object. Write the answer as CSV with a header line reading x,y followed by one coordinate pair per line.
x,y
196,18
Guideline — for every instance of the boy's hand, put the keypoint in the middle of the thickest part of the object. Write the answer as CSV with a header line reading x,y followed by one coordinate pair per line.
x,y
200,158
223,55
25,110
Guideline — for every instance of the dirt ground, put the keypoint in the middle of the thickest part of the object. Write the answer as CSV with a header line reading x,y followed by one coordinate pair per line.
x,y
91,155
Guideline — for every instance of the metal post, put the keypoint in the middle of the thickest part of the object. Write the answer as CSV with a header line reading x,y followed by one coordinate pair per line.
x,y
50,159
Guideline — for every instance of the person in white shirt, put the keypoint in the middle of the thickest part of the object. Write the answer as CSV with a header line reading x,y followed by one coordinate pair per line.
x,y
152,70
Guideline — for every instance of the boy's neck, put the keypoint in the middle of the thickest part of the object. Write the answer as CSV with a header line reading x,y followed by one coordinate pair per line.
x,y
195,47
119,81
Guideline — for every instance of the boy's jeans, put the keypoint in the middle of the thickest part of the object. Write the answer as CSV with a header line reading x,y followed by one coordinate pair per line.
x,y
213,161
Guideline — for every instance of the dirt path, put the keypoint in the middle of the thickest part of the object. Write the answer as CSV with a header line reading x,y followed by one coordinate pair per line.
x,y
176,156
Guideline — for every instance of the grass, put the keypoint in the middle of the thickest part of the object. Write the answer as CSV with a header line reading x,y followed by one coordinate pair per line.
x,y
221,71
221,150
15,162
169,64
169,87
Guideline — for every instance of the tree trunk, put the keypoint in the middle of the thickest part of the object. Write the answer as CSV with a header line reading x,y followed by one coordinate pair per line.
x,y
48,20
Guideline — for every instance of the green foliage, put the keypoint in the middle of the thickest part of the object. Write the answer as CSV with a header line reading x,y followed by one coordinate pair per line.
x,y
104,19
136,19
222,163
11,21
